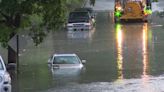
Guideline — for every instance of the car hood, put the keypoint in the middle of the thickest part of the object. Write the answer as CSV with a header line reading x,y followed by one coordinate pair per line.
x,y
61,66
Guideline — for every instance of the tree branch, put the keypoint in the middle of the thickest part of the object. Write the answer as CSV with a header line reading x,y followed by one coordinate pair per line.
x,y
4,15
7,19
2,21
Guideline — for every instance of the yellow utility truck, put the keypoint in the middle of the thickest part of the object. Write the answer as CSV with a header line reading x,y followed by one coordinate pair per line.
x,y
126,10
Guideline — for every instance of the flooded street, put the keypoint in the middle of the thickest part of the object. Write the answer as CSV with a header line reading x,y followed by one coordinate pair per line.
x,y
127,57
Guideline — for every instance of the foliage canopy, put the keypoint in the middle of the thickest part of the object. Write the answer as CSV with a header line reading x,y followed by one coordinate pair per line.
x,y
34,14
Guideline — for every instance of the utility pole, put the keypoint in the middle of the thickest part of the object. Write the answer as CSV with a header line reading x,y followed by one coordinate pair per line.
x,y
17,41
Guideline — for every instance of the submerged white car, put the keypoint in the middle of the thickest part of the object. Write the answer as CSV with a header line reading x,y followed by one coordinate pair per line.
x,y
66,67
66,61
5,80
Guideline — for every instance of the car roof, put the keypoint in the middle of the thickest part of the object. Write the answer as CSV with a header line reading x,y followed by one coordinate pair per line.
x,y
65,54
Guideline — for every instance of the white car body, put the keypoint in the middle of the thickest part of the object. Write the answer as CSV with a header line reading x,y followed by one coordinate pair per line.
x,y
5,79
66,72
78,65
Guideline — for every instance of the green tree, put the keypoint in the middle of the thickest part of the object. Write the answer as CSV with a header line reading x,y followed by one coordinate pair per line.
x,y
35,14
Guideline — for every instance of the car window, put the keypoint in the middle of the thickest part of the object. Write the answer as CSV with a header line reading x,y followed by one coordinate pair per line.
x,y
74,15
1,65
66,60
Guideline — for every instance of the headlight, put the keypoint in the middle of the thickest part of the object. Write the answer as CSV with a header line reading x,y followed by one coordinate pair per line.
x,y
69,25
7,79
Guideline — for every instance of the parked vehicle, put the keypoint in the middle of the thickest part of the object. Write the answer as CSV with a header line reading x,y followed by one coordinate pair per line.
x,y
66,67
66,61
5,80
125,10
91,12
79,20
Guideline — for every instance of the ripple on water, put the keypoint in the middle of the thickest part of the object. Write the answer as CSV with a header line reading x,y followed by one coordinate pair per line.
x,y
152,84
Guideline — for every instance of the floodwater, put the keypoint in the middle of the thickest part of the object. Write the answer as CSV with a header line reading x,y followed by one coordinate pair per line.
x,y
124,57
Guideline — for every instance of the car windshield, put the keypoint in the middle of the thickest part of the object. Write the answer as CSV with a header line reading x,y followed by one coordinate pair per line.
x,y
66,60
1,65
79,15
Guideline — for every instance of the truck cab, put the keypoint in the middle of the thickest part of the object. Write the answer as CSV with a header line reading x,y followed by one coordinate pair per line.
x,y
131,10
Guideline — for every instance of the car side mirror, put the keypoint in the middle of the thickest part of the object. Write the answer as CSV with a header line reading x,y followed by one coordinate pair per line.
x,y
83,61
49,61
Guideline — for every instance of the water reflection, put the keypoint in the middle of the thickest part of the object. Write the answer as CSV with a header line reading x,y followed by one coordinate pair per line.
x,y
145,75
132,50
66,75
81,34
145,50
119,38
